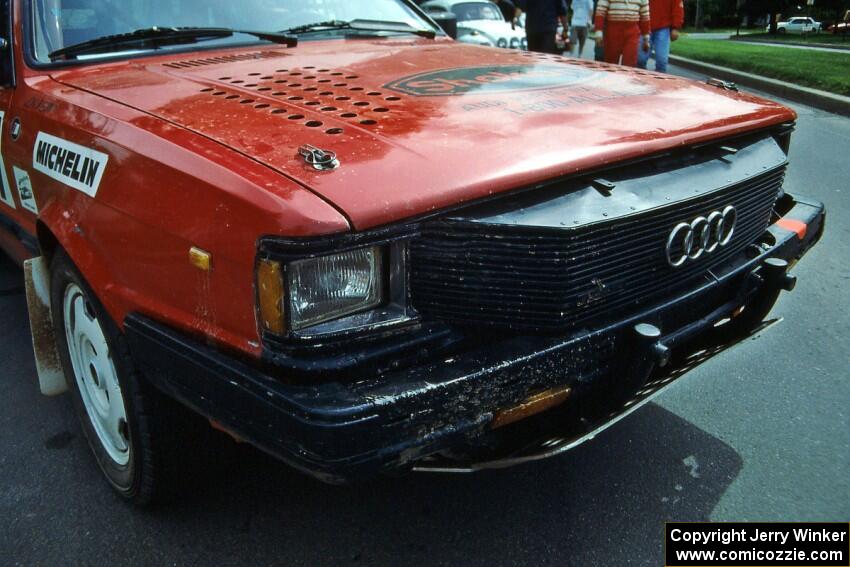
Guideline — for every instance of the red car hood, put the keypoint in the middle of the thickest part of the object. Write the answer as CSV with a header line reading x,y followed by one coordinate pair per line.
x,y
420,125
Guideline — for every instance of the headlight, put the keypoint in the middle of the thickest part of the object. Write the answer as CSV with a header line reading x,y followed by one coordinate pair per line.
x,y
524,43
503,43
515,43
330,287
363,288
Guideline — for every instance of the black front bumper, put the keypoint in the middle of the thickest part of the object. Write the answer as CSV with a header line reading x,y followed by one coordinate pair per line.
x,y
343,431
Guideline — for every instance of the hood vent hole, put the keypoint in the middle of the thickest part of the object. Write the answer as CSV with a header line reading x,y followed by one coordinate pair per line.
x,y
369,122
187,64
312,124
334,131
295,116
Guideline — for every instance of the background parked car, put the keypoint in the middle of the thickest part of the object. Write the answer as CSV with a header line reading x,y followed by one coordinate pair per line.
x,y
798,25
480,22
842,27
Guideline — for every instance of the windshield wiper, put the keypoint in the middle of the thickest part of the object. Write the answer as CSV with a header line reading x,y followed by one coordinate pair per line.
x,y
155,37
362,25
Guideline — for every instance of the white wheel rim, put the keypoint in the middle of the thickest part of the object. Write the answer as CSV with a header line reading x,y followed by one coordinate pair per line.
x,y
97,379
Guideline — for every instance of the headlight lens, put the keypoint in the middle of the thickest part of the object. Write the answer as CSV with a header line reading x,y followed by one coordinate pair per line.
x,y
524,44
503,43
330,287
515,43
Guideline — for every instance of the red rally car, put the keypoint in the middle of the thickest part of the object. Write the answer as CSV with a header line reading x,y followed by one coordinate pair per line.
x,y
362,247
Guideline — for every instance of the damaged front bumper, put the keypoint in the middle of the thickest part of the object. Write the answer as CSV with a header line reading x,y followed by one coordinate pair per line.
x,y
439,415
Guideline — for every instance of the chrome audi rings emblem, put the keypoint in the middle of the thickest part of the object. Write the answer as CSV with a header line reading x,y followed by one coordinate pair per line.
x,y
703,235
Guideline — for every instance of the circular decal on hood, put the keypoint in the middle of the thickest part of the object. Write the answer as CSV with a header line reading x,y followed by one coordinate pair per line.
x,y
490,79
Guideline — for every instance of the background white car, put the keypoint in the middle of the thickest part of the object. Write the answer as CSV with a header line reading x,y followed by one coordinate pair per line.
x,y
798,25
480,22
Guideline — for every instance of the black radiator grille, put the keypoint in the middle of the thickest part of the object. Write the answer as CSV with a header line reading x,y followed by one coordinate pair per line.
x,y
549,279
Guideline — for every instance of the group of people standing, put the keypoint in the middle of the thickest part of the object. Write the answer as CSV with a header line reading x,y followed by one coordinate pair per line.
x,y
630,31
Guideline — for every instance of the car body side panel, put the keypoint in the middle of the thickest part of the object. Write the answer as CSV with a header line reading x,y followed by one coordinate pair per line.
x,y
163,190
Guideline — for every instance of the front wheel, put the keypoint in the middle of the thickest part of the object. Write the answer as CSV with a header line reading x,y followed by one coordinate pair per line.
x,y
107,392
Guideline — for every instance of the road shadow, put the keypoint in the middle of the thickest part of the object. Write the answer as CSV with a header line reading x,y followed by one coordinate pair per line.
x,y
604,503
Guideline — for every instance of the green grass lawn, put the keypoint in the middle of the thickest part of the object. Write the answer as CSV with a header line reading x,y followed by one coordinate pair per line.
x,y
827,71
824,38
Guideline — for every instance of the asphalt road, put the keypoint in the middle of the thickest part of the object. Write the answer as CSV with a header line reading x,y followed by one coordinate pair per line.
x,y
760,432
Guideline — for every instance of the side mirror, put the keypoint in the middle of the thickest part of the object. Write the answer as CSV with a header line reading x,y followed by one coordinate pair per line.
x,y
447,21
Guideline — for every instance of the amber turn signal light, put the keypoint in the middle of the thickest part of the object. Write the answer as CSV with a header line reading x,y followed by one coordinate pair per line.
x,y
201,259
270,296
538,403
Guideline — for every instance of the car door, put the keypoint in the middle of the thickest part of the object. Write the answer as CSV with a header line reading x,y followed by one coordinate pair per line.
x,y
12,232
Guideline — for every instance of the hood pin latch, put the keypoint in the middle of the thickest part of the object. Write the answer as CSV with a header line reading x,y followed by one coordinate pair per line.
x,y
319,159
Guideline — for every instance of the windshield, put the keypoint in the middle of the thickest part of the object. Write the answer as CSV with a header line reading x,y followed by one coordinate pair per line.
x,y
477,11
61,23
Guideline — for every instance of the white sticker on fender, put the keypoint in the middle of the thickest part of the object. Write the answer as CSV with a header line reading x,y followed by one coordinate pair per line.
x,y
74,165
5,190
25,192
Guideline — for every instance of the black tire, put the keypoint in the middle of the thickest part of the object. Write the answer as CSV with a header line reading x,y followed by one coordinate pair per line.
x,y
136,480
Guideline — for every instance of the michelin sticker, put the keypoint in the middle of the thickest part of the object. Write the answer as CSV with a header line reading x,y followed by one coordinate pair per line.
x,y
76,166
22,180
5,190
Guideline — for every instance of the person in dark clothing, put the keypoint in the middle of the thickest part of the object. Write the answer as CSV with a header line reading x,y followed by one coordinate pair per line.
x,y
507,7
541,22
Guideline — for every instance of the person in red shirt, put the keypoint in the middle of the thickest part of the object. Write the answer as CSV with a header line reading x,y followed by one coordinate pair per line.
x,y
666,19
620,26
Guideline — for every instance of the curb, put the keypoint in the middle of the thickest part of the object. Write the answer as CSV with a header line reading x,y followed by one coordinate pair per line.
x,y
819,99
827,46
